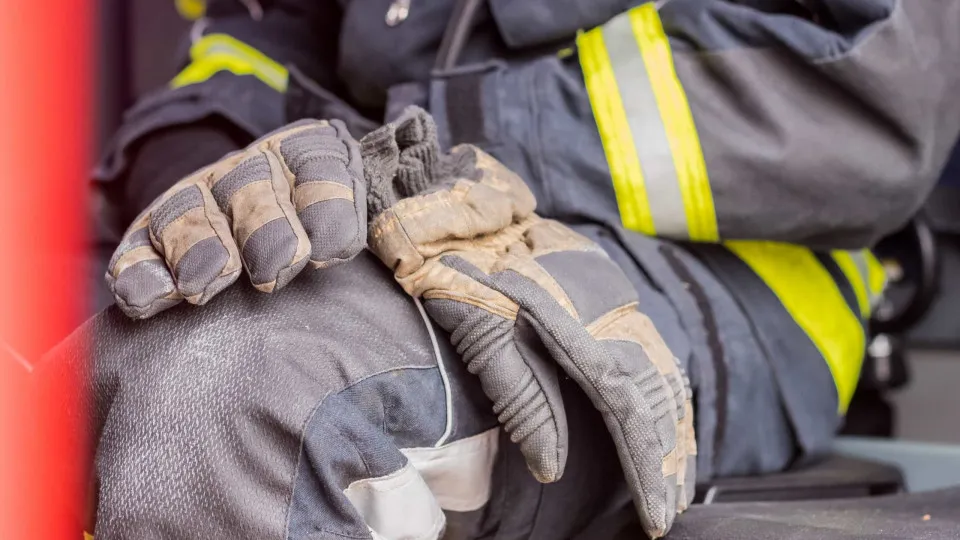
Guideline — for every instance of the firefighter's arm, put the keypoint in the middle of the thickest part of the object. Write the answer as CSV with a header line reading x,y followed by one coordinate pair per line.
x,y
248,68
819,122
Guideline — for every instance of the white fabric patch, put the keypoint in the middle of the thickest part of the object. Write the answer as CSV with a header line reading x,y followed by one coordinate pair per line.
x,y
398,506
459,473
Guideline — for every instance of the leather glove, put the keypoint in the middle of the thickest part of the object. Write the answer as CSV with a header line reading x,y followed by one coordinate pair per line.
x,y
517,293
293,197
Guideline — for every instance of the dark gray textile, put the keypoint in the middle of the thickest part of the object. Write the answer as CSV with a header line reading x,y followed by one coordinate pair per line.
x,y
236,420
810,133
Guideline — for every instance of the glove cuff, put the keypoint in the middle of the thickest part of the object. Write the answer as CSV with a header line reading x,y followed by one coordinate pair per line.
x,y
400,160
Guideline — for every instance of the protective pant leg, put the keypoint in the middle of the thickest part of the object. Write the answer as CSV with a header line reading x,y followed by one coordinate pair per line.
x,y
323,411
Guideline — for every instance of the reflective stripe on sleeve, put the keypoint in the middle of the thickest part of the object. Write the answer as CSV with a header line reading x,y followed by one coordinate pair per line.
x,y
814,301
648,133
214,53
865,275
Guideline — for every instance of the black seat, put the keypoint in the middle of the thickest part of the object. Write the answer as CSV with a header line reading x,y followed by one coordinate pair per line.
x,y
933,515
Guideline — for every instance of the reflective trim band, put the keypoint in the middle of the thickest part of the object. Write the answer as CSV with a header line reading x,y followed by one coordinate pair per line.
x,y
854,267
814,301
865,275
214,53
397,505
876,279
459,474
618,145
662,184
191,10
87,536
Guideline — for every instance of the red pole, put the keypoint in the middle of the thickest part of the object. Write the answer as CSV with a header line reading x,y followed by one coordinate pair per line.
x,y
45,145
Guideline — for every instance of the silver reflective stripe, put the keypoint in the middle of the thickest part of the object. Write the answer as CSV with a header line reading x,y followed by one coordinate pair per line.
x,y
398,505
863,267
861,261
649,135
459,474
275,75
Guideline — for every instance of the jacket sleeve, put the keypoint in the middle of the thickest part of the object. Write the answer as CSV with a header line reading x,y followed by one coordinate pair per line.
x,y
817,122
254,70
246,72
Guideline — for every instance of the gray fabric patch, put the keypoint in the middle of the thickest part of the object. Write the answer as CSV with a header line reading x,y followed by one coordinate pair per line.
x,y
317,155
143,283
286,275
139,238
339,446
174,207
355,435
268,250
592,282
334,230
200,265
217,286
254,169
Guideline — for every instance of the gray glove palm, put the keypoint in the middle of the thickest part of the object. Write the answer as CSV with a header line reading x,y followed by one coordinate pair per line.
x,y
517,292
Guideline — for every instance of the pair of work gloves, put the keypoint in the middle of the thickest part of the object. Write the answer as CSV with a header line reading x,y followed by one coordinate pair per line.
x,y
518,294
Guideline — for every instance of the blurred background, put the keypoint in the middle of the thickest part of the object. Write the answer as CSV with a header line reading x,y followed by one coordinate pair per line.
x,y
911,379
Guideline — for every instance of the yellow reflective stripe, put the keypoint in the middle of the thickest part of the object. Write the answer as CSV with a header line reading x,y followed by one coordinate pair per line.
x,y
219,52
615,134
87,536
866,276
191,9
876,277
857,278
814,301
650,140
678,123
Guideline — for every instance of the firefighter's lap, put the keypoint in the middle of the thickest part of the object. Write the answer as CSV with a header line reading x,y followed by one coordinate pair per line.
x,y
717,171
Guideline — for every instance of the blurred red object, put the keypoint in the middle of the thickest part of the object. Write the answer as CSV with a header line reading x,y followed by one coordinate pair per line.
x,y
45,145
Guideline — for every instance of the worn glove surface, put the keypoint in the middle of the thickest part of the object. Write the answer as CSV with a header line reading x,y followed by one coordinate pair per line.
x,y
294,197
516,292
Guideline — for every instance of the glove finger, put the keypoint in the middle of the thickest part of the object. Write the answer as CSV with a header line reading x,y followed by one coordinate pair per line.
x,y
329,193
516,373
192,235
641,396
140,281
607,361
690,485
644,333
255,195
